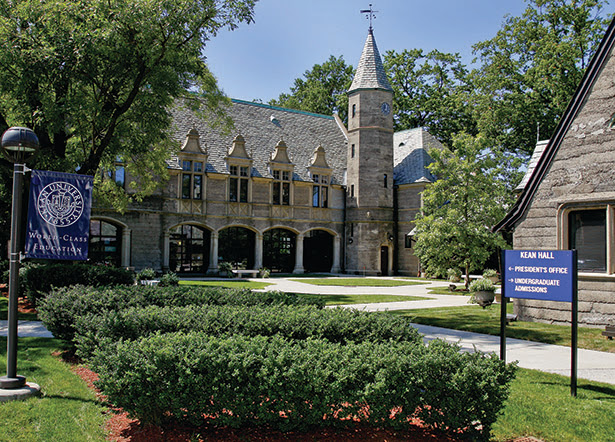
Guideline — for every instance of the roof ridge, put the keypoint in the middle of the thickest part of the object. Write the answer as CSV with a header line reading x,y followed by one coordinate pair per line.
x,y
283,109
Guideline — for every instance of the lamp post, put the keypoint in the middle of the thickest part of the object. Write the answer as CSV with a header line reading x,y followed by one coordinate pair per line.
x,y
18,143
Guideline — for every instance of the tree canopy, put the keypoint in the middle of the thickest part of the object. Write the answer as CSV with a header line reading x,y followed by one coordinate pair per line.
x,y
94,78
430,90
321,90
529,71
470,195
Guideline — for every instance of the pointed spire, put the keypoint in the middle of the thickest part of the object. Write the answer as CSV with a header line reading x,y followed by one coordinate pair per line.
x,y
370,72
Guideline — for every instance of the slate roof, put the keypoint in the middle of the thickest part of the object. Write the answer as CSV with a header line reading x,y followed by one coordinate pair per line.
x,y
516,213
538,150
262,127
410,157
370,73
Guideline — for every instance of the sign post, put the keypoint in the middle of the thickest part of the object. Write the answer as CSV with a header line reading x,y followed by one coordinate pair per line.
x,y
546,275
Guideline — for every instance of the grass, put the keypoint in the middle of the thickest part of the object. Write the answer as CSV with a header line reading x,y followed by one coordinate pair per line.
x,y
357,282
67,411
475,319
4,312
231,283
539,405
360,299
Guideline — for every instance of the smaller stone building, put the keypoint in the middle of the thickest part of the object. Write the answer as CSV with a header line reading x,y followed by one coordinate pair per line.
x,y
568,199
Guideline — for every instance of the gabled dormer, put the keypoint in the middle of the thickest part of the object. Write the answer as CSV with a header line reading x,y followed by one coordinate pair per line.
x,y
239,165
281,169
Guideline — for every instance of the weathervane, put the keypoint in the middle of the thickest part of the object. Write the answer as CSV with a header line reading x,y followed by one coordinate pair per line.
x,y
371,14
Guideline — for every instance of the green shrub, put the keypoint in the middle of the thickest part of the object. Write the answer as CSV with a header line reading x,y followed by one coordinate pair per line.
x,y
4,271
482,285
60,309
225,268
39,279
294,322
146,274
488,273
284,384
169,279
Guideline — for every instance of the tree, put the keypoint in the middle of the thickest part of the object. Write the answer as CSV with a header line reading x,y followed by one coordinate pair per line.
x,y
471,194
94,79
531,68
431,91
323,89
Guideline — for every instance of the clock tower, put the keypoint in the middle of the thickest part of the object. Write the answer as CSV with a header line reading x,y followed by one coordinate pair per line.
x,y
369,197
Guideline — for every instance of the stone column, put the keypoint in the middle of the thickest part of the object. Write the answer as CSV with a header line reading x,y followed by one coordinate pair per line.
x,y
125,259
213,254
165,251
258,251
336,254
299,255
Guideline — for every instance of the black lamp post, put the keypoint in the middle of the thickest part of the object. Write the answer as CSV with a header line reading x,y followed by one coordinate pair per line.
x,y
18,143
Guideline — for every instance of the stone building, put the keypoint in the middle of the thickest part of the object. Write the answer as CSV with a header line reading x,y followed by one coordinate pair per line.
x,y
567,200
287,190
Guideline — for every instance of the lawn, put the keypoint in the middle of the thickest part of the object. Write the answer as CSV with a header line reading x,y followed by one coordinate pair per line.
x,y
475,319
540,404
358,282
67,411
360,299
231,283
4,312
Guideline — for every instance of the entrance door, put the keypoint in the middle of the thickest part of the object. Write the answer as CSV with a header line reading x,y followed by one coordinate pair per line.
x,y
384,261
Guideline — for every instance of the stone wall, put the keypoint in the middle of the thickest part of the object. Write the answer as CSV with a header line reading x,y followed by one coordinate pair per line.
x,y
580,176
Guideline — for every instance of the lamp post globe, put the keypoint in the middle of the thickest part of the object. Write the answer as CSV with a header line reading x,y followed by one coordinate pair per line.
x,y
18,144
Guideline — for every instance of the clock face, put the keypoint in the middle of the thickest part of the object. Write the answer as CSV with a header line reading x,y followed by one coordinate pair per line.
x,y
385,108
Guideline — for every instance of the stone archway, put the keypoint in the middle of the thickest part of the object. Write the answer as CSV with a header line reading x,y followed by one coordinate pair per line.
x,y
318,251
236,245
189,249
279,250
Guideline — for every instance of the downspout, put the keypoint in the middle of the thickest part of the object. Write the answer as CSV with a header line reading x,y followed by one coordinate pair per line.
x,y
344,239
395,231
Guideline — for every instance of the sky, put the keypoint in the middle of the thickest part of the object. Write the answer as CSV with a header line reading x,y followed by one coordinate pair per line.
x,y
261,60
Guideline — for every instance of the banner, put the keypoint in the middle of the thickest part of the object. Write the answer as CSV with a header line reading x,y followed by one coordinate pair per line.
x,y
59,215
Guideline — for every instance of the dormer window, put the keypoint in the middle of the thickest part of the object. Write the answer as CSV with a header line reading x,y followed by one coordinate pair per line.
x,y
320,191
192,180
238,184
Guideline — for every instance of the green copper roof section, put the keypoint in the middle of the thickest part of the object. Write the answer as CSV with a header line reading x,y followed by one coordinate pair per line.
x,y
370,72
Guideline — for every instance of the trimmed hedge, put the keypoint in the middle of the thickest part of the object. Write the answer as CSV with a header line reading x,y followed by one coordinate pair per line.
x,y
60,309
294,322
288,385
40,279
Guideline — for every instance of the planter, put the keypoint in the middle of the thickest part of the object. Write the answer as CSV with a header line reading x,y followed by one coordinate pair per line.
x,y
484,297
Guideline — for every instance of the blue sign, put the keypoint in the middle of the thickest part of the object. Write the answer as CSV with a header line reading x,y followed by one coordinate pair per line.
x,y
58,216
539,274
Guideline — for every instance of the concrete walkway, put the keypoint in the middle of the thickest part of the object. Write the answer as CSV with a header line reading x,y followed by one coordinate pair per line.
x,y
592,365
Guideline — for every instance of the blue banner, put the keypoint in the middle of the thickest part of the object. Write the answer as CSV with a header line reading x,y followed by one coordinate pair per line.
x,y
59,216
539,274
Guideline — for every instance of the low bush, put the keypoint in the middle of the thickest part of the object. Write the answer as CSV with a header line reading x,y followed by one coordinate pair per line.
x,y
60,309
294,322
287,385
39,279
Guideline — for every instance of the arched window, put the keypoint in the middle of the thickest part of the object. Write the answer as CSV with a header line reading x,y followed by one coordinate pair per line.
x,y
189,249
105,243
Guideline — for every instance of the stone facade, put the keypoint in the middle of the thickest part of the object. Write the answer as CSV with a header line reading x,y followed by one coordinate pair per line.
x,y
573,180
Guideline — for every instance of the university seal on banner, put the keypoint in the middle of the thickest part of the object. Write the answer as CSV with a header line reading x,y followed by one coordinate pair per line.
x,y
60,204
